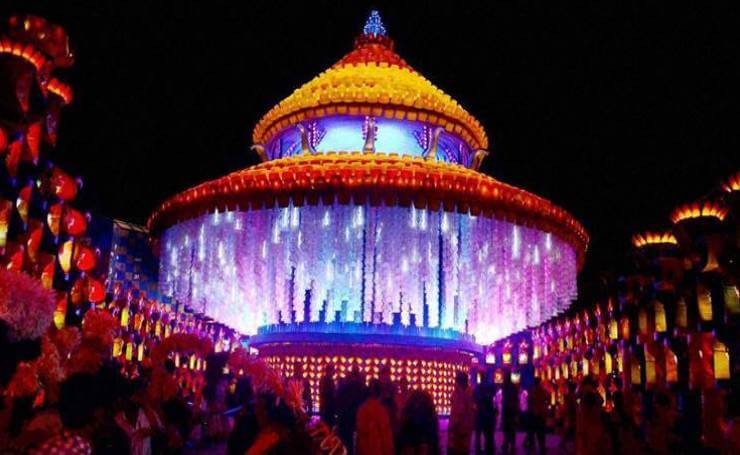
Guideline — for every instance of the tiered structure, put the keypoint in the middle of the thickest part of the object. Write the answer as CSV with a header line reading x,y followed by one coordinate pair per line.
x,y
368,225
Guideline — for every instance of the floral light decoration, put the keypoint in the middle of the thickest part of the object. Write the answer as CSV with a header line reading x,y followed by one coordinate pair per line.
x,y
25,305
732,184
707,209
188,343
653,238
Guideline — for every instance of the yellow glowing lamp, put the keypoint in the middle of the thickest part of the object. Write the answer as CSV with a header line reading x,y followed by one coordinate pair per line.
x,y
704,301
129,350
661,325
613,329
124,317
721,357
65,256
635,372
650,376
140,352
117,346
177,359
732,299
607,363
6,208
523,358
682,314
506,357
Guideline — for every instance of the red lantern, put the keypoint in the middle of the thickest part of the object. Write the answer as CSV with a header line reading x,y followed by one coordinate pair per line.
x,y
85,258
3,139
77,293
95,291
34,239
63,185
75,223
33,140
14,157
22,203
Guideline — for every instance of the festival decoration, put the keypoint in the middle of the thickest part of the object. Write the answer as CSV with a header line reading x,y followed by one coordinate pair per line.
x,y
25,305
367,222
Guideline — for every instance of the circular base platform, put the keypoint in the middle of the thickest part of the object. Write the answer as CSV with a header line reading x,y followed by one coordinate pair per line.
x,y
430,369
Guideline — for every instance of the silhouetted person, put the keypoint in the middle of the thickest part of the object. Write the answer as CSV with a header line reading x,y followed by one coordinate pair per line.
x,y
485,416
537,406
419,432
462,417
509,413
327,396
350,395
374,433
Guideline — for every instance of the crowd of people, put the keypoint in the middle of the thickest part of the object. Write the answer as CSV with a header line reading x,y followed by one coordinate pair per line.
x,y
140,411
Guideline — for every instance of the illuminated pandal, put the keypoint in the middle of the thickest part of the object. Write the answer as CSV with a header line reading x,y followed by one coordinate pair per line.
x,y
367,233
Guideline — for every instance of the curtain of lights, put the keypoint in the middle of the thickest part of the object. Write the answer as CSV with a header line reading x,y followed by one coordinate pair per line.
x,y
349,263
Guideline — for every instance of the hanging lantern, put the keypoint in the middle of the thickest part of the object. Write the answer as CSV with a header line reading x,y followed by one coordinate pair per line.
x,y
33,141
85,258
54,218
5,211
47,270
15,260
77,292
60,313
75,223
23,201
13,158
65,256
3,139
34,240
95,291
63,185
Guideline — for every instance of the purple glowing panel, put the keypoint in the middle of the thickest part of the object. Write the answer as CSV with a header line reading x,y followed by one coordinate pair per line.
x,y
350,263
347,133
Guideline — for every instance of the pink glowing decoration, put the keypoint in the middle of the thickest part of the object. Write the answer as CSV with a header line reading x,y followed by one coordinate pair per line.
x,y
482,276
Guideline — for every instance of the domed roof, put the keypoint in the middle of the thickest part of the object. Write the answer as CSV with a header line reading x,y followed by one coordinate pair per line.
x,y
372,80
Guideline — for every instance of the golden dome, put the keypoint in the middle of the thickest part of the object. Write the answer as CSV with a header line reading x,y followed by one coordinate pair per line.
x,y
372,80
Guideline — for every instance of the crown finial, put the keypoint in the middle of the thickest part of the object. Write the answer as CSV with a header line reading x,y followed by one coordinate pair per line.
x,y
374,25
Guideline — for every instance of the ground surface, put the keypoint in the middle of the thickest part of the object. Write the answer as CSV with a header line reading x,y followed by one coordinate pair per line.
x,y
552,444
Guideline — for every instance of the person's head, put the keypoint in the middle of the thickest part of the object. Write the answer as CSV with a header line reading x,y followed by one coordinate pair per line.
x,y
270,410
244,390
375,388
461,380
77,401
329,371
298,371
169,366
537,381
419,416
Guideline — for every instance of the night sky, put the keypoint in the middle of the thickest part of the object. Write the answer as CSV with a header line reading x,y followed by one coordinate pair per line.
x,y
616,112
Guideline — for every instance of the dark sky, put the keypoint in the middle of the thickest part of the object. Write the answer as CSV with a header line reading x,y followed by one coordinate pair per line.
x,y
615,111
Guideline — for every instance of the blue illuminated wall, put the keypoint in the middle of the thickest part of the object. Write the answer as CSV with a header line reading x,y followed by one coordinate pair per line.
x,y
347,133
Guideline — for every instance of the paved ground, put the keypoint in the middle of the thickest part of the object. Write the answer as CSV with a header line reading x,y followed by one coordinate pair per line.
x,y
551,442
